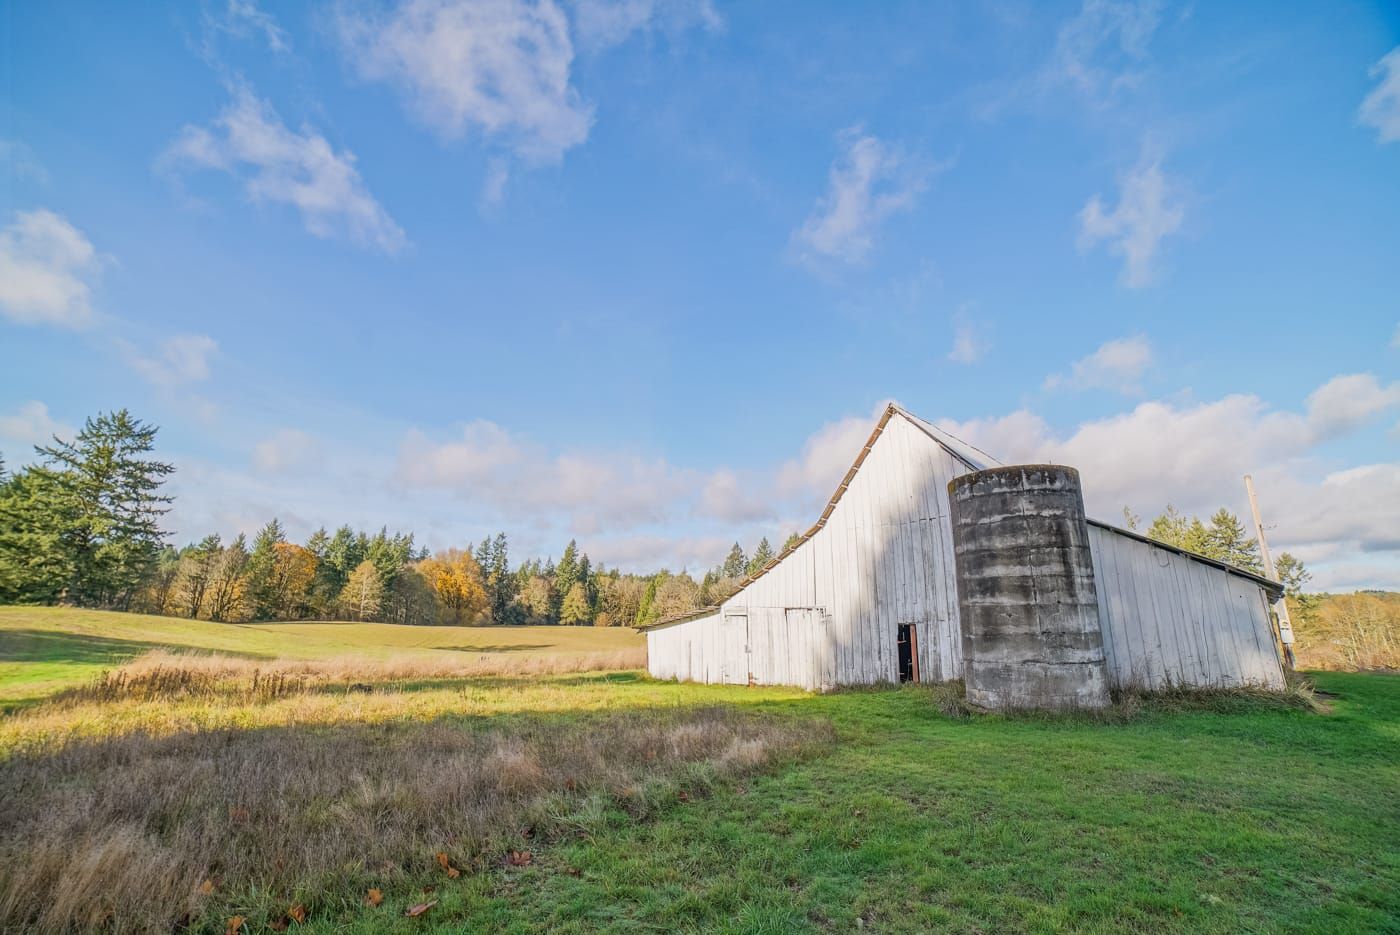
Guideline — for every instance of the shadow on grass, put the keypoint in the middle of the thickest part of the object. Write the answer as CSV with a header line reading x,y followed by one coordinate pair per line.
x,y
53,647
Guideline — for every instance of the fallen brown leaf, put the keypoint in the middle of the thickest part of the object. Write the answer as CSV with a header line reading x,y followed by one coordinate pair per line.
x,y
234,924
297,913
418,910
683,796
206,887
442,860
519,858
453,872
374,897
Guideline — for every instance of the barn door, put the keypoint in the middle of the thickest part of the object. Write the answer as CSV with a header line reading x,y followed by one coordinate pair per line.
x,y
736,668
908,646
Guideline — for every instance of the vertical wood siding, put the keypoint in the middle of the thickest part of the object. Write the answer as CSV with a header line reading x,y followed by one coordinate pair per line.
x,y
1171,620
828,613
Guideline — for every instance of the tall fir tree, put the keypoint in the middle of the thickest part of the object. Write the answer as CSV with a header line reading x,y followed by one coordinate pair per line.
x,y
736,563
99,496
761,557
263,594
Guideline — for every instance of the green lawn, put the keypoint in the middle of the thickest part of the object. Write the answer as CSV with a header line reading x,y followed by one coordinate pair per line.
x,y
1228,815
47,649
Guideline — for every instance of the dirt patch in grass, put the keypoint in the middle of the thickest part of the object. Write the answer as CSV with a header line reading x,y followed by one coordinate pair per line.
x,y
141,833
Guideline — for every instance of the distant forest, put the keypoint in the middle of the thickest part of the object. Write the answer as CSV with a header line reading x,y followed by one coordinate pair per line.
x,y
81,526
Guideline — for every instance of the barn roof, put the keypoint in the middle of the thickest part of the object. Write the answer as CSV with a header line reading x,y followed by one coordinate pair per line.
x,y
977,460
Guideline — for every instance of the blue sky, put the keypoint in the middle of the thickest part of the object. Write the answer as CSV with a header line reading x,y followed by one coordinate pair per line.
x,y
641,272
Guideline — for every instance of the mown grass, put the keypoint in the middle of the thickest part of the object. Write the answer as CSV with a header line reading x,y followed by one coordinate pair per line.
x,y
44,650
1191,812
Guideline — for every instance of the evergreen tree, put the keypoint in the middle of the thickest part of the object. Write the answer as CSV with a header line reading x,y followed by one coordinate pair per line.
x,y
792,541
646,607
566,572
1227,541
575,609
500,584
263,596
91,511
761,557
35,561
736,564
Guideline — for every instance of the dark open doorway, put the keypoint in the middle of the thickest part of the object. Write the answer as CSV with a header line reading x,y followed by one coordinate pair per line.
x,y
908,653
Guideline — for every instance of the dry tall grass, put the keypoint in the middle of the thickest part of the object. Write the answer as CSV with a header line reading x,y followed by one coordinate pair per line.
x,y
170,675
122,833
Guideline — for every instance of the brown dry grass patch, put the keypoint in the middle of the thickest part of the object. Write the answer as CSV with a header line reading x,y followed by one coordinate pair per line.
x,y
162,674
122,833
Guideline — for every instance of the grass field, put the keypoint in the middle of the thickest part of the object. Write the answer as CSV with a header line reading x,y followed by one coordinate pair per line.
x,y
648,806
47,649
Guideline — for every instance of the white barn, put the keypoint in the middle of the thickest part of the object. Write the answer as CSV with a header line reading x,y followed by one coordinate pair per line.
x,y
869,593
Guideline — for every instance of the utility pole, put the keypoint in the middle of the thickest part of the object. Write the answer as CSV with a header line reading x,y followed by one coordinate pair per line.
x,y
1285,625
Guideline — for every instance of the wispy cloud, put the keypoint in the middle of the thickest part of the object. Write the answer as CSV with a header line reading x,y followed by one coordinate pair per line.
x,y
18,160
178,360
47,267
286,451
968,343
870,181
277,165
29,425
1118,365
1381,108
500,68
1099,50
601,24
244,18
1149,210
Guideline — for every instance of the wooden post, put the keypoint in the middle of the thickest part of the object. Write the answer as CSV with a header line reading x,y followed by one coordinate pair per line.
x,y
1285,625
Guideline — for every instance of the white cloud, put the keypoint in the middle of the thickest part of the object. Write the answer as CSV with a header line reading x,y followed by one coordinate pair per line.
x,y
1099,51
46,270
488,465
1148,211
287,451
498,67
604,23
26,427
968,344
1345,403
243,18
181,359
1381,108
731,498
1195,456
870,181
826,457
647,553
1117,365
278,165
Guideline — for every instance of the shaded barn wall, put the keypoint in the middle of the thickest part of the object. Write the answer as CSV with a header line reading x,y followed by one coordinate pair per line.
x,y
828,614
1172,620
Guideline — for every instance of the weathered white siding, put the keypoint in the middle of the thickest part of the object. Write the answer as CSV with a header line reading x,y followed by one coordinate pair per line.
x,y
828,614
1169,619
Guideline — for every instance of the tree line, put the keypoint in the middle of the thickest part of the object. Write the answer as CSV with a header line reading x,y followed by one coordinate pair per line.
x,y
81,526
